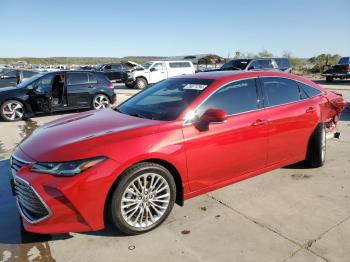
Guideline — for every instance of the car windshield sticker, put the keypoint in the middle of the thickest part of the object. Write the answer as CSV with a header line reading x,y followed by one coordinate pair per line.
x,y
194,87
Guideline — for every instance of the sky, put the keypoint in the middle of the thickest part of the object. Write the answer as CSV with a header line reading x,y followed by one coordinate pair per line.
x,y
77,28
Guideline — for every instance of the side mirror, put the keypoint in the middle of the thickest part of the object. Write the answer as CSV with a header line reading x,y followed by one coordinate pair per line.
x,y
153,69
30,87
213,116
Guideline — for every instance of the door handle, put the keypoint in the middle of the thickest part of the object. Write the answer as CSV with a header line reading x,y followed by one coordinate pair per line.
x,y
260,122
311,109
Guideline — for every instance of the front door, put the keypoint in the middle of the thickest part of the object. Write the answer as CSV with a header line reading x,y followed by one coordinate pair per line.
x,y
41,93
232,149
79,89
158,72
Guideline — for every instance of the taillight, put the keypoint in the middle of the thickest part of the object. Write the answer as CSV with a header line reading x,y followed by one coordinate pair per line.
x,y
347,68
110,85
339,103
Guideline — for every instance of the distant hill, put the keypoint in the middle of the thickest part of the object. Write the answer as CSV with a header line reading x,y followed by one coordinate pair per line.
x,y
78,60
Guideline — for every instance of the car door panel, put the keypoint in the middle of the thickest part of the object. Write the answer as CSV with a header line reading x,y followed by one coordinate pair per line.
x,y
231,149
78,90
226,150
291,120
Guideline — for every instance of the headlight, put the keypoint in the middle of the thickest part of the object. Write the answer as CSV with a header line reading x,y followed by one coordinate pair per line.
x,y
67,168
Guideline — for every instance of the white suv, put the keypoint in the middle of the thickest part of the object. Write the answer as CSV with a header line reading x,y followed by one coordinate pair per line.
x,y
155,71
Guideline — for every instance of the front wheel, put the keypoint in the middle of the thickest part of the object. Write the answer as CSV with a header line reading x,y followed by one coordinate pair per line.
x,y
141,83
12,110
316,153
143,198
100,101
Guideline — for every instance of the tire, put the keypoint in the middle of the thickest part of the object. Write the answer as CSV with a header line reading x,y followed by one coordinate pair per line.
x,y
329,79
126,202
316,152
141,83
100,101
12,110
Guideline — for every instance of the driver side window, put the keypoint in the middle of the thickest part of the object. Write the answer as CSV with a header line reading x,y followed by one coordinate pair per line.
x,y
44,84
235,98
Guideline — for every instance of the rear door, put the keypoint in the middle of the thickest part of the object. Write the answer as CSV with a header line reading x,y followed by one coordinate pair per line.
x,y
79,89
226,151
158,72
292,118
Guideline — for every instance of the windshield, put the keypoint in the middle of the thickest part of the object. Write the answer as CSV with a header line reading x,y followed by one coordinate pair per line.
x,y
29,80
165,100
236,64
147,65
344,61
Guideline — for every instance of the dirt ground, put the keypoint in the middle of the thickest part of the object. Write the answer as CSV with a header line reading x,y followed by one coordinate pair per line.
x,y
290,214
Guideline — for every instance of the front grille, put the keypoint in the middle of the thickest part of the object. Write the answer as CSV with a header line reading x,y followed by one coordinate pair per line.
x,y
33,209
16,164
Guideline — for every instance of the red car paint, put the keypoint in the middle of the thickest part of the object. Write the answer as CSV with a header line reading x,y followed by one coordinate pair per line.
x,y
243,146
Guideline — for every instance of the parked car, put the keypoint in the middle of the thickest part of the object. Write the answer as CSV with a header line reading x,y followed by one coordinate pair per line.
x,y
117,71
175,140
155,71
56,91
12,77
340,70
258,64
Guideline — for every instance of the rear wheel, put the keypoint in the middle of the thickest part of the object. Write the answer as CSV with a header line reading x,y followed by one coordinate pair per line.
x,y
141,83
143,198
316,153
100,101
12,110
329,79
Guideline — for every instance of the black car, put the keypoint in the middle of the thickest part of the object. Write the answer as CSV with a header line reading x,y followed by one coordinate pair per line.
x,y
258,64
116,71
56,91
340,70
12,77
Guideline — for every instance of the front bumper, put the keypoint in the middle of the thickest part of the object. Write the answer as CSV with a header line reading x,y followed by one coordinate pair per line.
x,y
73,204
336,74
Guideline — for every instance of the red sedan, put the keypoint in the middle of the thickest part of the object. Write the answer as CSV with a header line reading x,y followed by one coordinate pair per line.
x,y
178,139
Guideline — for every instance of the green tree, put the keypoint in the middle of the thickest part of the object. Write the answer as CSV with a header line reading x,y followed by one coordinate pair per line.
x,y
322,61
265,53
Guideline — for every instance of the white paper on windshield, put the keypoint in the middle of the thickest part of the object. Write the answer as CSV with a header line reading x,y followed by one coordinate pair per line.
x,y
194,87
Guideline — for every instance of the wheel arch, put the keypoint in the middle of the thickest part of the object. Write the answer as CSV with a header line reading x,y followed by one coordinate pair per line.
x,y
145,78
169,166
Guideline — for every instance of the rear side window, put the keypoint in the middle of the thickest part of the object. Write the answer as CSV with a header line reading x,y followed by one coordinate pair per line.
x,y
179,64
92,78
280,91
237,97
282,63
310,91
77,79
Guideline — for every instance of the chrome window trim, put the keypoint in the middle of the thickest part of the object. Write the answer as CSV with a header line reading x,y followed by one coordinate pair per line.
x,y
29,220
187,123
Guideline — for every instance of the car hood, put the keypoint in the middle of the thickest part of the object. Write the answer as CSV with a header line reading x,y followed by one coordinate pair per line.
x,y
9,89
83,135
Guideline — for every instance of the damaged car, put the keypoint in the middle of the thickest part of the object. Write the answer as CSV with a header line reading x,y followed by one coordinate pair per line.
x,y
56,91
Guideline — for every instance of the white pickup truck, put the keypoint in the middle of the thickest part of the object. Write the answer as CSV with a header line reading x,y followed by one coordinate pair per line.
x,y
155,71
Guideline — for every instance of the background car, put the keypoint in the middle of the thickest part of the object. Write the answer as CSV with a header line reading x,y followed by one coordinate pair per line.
x,y
177,139
155,71
56,91
116,71
340,70
256,64
12,77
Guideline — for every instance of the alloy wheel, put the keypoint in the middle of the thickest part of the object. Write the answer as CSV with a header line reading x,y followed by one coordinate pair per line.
x,y
145,200
100,102
12,110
